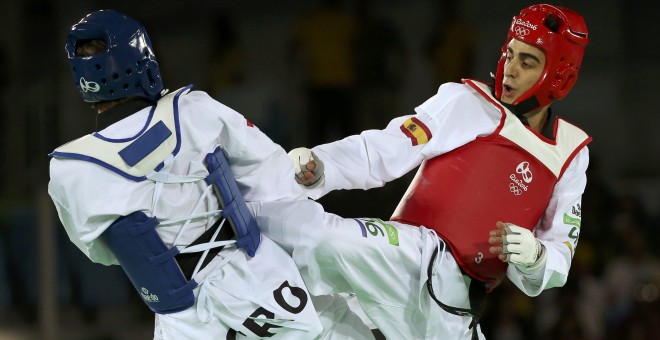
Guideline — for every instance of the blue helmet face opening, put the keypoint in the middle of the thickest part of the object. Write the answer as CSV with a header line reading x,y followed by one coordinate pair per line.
x,y
126,68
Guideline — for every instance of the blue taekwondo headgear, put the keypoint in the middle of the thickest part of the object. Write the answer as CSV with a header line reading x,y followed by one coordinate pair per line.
x,y
128,67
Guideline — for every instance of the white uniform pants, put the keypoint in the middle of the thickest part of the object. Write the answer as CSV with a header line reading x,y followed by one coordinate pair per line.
x,y
383,263
246,297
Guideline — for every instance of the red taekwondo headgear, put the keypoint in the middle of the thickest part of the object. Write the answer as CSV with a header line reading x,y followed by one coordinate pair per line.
x,y
563,46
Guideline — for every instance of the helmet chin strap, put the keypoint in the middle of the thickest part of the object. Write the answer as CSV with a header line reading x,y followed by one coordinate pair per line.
x,y
521,109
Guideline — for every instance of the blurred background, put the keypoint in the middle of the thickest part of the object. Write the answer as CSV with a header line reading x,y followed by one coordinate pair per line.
x,y
308,72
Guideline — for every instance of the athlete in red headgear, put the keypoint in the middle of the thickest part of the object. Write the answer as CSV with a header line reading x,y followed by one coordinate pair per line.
x,y
561,34
497,193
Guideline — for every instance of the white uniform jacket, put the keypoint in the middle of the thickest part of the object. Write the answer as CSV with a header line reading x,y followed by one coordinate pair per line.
x,y
235,290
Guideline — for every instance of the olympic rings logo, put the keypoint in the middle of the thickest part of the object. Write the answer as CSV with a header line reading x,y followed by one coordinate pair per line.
x,y
521,31
515,189
89,86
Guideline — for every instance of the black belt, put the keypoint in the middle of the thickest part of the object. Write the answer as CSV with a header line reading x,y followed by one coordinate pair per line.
x,y
188,261
476,294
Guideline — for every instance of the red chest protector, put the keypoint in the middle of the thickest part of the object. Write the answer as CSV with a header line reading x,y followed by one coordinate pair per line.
x,y
508,176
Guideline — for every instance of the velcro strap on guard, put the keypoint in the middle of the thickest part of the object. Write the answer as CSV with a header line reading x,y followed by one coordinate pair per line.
x,y
232,203
149,263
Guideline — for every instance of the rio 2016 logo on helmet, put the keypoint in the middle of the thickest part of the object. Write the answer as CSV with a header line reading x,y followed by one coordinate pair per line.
x,y
127,67
563,46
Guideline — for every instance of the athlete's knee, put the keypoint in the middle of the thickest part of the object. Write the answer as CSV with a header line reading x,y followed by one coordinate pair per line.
x,y
336,246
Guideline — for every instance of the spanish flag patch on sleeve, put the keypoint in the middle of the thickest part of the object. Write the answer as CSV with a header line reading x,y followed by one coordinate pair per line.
x,y
417,131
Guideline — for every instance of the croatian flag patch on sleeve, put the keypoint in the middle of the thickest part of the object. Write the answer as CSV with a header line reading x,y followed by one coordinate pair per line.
x,y
417,131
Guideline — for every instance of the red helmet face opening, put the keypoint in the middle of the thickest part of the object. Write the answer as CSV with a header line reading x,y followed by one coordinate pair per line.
x,y
562,35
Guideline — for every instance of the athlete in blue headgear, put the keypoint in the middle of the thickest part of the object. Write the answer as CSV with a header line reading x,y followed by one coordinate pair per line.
x,y
126,66
156,190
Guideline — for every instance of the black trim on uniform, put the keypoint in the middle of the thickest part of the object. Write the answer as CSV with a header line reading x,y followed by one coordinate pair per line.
x,y
549,127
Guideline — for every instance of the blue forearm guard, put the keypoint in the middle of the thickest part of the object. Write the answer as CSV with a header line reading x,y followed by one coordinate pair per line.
x,y
232,203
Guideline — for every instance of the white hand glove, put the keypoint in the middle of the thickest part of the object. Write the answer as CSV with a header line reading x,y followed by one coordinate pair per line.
x,y
521,247
308,175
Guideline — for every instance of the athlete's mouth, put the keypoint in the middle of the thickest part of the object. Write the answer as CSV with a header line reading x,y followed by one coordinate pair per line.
x,y
507,90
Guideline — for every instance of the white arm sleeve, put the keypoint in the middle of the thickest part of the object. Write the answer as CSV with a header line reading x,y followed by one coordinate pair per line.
x,y
258,163
558,231
455,116
83,206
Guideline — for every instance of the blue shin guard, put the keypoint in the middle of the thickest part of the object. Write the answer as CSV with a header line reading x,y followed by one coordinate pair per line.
x,y
232,203
149,263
